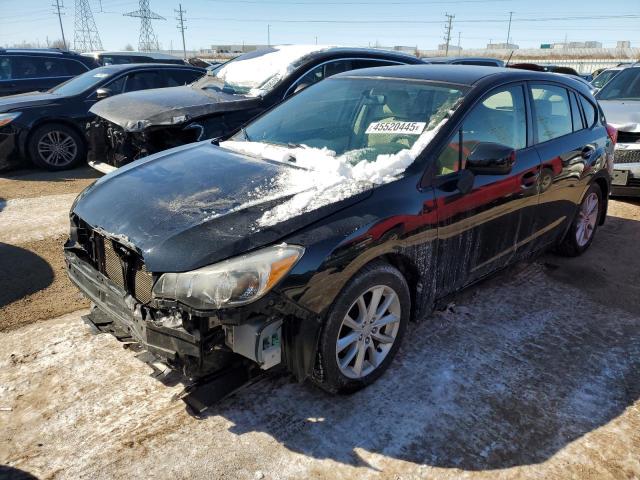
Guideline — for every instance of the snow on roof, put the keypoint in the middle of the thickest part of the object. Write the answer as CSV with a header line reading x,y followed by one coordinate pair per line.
x,y
257,68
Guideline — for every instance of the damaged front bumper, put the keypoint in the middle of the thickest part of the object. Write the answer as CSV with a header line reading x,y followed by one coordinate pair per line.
x,y
193,343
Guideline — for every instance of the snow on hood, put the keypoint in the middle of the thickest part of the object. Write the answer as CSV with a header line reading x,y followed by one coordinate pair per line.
x,y
326,178
622,114
260,73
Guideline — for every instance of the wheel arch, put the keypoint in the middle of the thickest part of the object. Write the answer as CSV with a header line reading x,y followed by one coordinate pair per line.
x,y
602,182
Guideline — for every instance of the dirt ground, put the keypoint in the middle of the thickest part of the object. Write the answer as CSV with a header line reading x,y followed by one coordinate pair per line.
x,y
532,374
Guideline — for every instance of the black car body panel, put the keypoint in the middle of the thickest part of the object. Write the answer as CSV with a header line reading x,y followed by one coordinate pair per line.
x,y
39,108
27,70
440,237
131,127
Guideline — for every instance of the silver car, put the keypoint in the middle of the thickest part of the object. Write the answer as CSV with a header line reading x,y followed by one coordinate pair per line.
x,y
620,101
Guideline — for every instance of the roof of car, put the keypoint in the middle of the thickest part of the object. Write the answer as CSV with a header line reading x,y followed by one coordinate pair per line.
x,y
131,66
38,51
454,59
458,74
155,55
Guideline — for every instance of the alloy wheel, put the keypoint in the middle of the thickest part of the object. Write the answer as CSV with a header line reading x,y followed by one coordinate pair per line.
x,y
57,148
587,218
368,331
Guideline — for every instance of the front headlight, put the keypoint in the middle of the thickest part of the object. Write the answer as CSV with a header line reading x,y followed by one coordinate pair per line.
x,y
7,118
233,282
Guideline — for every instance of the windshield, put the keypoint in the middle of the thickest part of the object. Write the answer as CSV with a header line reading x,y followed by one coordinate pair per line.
x,y
624,86
360,118
352,132
83,82
256,73
604,77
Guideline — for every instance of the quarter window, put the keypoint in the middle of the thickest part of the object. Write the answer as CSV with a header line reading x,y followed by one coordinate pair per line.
x,y
578,123
499,118
589,111
552,112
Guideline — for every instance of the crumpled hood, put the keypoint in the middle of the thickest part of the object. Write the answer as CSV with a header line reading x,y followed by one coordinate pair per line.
x,y
193,205
622,114
25,100
136,111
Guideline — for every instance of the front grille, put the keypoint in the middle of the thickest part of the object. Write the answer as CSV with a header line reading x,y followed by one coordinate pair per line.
x,y
626,156
122,265
628,137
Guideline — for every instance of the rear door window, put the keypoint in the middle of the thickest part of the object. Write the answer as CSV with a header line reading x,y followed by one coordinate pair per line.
x,y
6,69
552,112
176,78
144,81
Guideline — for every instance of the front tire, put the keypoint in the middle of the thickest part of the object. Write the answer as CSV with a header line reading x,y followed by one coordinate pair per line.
x,y
55,147
583,229
363,329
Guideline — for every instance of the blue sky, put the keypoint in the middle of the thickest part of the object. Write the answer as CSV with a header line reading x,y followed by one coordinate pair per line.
x,y
370,21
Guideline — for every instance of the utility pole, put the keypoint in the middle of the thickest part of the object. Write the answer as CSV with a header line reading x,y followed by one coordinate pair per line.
x,y
509,29
268,35
459,35
58,5
447,32
316,39
181,27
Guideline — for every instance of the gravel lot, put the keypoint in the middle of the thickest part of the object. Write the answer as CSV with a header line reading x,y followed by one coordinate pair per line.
x,y
535,373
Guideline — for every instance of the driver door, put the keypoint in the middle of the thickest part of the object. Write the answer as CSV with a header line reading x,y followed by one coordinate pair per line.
x,y
480,231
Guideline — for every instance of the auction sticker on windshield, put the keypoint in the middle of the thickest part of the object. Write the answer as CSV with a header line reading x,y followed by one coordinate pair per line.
x,y
410,128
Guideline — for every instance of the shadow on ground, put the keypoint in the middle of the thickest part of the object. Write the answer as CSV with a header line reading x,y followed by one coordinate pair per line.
x,y
528,364
37,175
21,273
10,473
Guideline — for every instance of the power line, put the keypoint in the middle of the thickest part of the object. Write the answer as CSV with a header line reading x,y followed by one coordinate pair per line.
x,y
148,41
85,36
58,5
181,27
509,29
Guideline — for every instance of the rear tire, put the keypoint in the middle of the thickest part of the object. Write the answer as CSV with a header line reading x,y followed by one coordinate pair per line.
x,y
363,329
583,229
55,146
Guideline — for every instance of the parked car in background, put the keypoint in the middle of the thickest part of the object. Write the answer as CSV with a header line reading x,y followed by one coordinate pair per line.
x,y
48,128
30,70
314,234
620,101
481,61
118,58
138,124
603,77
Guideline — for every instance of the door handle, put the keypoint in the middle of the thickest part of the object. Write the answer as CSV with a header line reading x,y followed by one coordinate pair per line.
x,y
530,179
587,152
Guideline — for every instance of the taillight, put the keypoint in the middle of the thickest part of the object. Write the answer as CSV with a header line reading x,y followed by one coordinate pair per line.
x,y
613,133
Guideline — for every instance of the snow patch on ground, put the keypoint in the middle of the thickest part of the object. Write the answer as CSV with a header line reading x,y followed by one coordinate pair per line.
x,y
322,177
25,220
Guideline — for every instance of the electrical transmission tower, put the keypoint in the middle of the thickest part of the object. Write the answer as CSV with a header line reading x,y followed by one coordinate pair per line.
x,y
181,27
447,32
85,37
148,40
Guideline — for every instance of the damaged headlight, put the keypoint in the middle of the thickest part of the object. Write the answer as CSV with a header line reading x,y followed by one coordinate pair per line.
x,y
233,282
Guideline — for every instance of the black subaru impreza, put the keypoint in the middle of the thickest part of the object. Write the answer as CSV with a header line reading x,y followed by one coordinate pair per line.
x,y
311,237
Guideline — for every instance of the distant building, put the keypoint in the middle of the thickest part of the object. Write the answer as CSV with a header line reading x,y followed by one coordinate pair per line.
x,y
623,44
502,46
405,49
452,48
590,44
235,48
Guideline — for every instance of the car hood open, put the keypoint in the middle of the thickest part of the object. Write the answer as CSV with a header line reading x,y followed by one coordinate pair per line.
x,y
136,111
25,100
622,114
193,205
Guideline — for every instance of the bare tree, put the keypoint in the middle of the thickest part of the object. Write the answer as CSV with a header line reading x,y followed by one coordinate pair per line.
x,y
128,47
58,44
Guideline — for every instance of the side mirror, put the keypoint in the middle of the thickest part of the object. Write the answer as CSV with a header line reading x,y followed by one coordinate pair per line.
x,y
102,93
491,159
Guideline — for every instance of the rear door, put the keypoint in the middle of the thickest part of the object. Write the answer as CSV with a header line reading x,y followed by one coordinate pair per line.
x,y
570,141
480,231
